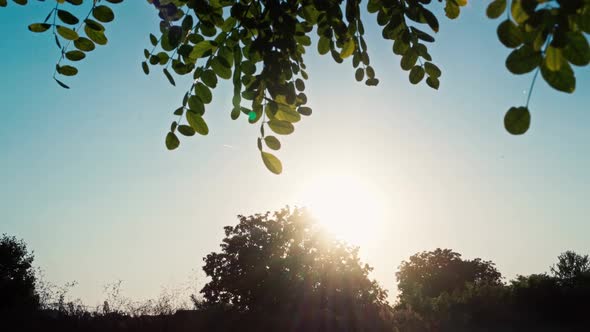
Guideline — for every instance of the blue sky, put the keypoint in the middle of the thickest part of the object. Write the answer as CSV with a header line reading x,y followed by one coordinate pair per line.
x,y
87,182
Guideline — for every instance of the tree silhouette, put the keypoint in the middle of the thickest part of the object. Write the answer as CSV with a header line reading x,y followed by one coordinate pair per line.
x,y
571,265
17,278
260,46
283,266
430,274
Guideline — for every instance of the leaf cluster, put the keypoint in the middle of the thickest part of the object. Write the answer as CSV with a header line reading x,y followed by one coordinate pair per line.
x,y
259,45
67,30
546,36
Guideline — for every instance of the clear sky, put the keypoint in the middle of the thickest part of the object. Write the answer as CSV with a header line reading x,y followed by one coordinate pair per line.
x,y
86,180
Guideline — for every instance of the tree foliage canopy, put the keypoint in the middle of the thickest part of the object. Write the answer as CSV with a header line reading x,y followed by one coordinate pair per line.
x,y
17,278
284,263
429,274
260,45
440,291
571,265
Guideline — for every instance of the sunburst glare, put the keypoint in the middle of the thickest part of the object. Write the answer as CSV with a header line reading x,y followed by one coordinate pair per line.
x,y
348,207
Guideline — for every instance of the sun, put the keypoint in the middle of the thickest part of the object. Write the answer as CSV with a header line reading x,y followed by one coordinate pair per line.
x,y
348,207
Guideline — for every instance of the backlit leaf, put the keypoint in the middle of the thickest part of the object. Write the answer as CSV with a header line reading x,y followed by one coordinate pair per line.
x,y
39,27
416,74
496,8
197,122
66,32
103,14
272,142
523,60
281,127
517,120
272,163
172,141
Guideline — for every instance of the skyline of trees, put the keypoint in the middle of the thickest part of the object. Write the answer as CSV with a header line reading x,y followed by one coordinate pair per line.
x,y
283,262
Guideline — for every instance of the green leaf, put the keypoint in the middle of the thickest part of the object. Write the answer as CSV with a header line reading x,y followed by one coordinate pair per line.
x,y
163,58
208,77
430,19
423,51
517,120
179,111
496,8
84,44
562,80
61,83
299,84
187,23
348,48
400,46
202,49
95,35
304,110
577,50
92,24
145,67
196,105
359,75
433,82
103,14
323,45
422,35
452,10
409,59
169,77
286,114
272,163
197,122
203,92
67,17
220,69
153,40
75,55
553,58
67,70
518,12
416,74
227,54
281,127
172,141
39,27
66,32
272,142
370,72
523,60
509,34
186,130
235,113
372,82
432,70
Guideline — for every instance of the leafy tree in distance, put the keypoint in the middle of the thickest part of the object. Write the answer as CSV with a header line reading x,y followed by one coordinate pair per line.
x,y
17,278
284,268
260,46
429,274
571,265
